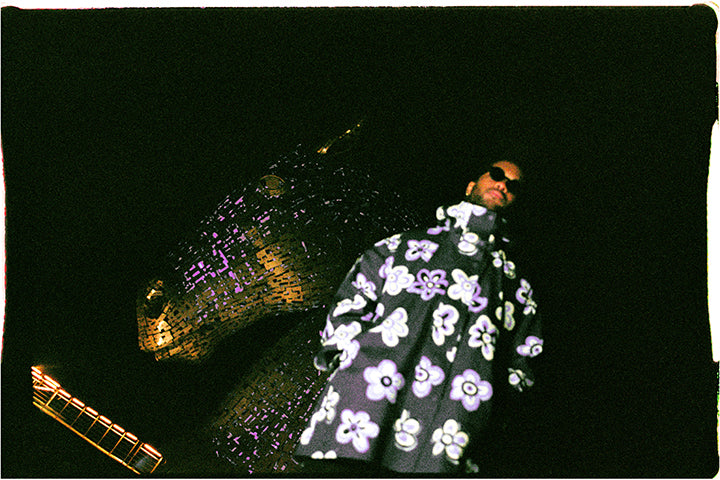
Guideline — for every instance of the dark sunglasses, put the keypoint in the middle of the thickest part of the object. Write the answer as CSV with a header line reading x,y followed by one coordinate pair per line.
x,y
498,175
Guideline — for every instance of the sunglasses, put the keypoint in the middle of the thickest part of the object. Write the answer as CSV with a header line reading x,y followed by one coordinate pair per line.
x,y
498,175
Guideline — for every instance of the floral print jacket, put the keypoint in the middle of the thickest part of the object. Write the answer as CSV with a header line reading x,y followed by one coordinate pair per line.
x,y
425,327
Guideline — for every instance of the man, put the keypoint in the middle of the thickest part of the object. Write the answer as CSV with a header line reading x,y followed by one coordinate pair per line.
x,y
426,330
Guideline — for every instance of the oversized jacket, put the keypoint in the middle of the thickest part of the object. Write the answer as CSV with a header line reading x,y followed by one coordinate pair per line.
x,y
424,331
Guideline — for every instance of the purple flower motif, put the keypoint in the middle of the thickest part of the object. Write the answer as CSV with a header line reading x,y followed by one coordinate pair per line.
x,y
427,375
439,229
372,316
477,303
500,260
356,428
423,249
524,296
505,313
384,381
533,347
428,283
518,379
470,389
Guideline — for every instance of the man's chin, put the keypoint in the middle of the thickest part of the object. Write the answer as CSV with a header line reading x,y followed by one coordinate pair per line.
x,y
489,205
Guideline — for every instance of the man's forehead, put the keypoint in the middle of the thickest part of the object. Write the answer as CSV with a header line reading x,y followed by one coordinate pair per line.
x,y
512,170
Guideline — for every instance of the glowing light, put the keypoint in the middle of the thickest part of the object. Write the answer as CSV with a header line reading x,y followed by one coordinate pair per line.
x,y
72,418
150,449
105,420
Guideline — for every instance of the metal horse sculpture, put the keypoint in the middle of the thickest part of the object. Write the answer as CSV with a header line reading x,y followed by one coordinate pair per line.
x,y
276,247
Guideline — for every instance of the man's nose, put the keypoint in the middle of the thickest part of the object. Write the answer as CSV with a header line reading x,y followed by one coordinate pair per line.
x,y
500,185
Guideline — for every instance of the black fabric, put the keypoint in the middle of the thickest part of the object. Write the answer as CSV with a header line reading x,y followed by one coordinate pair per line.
x,y
433,325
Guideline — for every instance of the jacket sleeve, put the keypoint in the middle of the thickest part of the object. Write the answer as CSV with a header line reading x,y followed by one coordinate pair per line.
x,y
526,341
353,309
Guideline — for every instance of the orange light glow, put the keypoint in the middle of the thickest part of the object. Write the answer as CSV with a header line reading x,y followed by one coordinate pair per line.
x,y
45,383
50,381
105,420
151,450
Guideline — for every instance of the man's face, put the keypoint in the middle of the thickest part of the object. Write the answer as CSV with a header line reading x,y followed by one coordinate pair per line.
x,y
494,194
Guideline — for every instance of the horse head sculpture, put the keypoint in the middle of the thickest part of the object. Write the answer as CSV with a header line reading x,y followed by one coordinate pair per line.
x,y
280,245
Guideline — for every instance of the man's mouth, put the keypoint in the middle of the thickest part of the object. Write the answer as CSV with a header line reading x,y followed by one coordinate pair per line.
x,y
498,194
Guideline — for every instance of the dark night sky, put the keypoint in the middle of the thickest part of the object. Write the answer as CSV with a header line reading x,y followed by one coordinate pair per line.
x,y
122,128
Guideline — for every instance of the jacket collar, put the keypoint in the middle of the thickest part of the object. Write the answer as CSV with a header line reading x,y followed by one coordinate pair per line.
x,y
473,224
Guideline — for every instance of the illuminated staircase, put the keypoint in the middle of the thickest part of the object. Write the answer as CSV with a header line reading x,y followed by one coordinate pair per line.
x,y
109,438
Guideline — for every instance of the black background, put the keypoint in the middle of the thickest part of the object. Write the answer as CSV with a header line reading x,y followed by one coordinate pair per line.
x,y
122,128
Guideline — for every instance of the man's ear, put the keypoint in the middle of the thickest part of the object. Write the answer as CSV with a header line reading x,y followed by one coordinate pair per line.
x,y
469,188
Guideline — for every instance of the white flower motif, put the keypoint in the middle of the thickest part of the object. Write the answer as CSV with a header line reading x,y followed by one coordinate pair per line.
x,y
533,347
470,389
343,335
524,296
450,354
463,211
468,243
467,290
440,228
348,354
392,242
420,249
329,455
506,315
464,287
427,375
308,432
327,406
483,334
366,286
500,260
344,338
384,381
396,278
326,414
406,430
451,440
393,327
356,428
344,306
518,379
371,317
440,213
444,319
327,331
471,466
